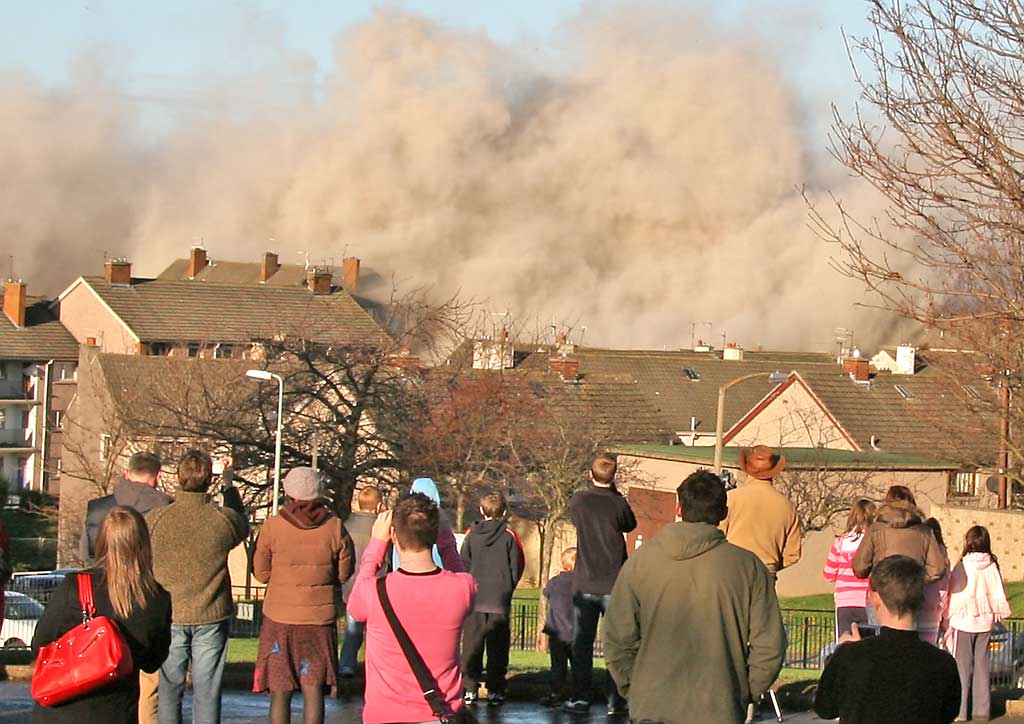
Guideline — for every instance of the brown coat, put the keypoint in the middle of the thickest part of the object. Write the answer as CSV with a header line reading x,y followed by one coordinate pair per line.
x,y
303,567
764,521
898,531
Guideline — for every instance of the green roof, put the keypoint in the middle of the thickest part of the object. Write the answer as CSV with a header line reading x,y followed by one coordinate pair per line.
x,y
796,457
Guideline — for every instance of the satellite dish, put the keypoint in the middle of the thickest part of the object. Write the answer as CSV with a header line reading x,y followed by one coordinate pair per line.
x,y
856,354
992,483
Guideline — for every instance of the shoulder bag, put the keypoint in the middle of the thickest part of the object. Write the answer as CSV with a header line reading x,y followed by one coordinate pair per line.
x,y
91,655
428,685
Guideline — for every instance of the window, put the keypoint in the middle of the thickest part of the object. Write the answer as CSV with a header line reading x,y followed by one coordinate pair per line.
x,y
904,392
58,467
193,349
57,419
692,373
963,484
224,351
105,445
3,418
3,371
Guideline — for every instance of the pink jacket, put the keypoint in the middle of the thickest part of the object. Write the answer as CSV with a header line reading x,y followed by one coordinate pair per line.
x,y
851,592
977,599
431,608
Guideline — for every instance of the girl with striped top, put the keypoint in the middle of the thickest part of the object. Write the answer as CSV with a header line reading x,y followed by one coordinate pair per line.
x,y
851,594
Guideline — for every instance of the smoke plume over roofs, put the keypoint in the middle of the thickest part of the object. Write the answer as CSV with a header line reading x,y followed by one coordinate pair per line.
x,y
650,180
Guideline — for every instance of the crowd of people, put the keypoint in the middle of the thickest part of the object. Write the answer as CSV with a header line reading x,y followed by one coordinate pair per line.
x,y
692,625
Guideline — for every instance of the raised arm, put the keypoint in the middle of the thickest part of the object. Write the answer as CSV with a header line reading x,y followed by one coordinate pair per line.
x,y
364,592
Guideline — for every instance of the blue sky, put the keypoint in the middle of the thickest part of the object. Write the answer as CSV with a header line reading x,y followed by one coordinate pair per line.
x,y
163,48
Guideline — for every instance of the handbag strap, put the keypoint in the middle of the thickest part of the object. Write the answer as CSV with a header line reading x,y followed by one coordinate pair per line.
x,y
85,596
419,668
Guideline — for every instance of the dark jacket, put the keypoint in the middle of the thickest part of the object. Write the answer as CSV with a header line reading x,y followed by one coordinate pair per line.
x,y
147,630
892,677
358,525
693,630
191,539
492,553
139,496
601,516
899,530
561,619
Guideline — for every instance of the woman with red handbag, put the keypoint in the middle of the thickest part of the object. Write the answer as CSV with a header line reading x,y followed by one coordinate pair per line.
x,y
123,590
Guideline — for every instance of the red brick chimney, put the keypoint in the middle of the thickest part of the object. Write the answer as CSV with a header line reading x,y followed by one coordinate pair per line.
x,y
14,302
197,261
318,279
269,266
350,273
567,369
118,271
859,369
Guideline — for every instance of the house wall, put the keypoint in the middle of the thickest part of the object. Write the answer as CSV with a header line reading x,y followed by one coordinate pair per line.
x,y
793,419
1006,528
84,316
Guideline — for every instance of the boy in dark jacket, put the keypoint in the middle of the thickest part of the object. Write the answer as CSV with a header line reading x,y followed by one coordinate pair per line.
x,y
493,554
560,626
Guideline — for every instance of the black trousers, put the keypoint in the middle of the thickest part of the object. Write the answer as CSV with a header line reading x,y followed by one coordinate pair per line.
x,y
561,657
590,607
485,631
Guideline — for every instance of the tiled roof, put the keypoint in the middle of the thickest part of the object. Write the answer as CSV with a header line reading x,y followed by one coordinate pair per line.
x,y
797,458
159,310
42,338
241,273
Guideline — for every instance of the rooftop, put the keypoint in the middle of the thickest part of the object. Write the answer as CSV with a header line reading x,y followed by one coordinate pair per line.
x,y
797,458
42,338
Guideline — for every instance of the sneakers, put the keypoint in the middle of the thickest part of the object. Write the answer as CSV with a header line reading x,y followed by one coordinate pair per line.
x,y
615,710
576,706
495,699
470,697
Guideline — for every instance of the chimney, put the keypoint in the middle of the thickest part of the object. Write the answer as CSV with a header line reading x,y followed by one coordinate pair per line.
x,y
118,271
732,353
269,266
350,273
196,261
567,369
906,360
859,369
318,279
90,341
14,302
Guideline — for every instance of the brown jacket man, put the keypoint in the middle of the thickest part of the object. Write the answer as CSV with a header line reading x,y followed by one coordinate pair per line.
x,y
899,530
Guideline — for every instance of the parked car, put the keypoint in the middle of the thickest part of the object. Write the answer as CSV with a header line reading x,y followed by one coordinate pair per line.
x,y
38,585
21,614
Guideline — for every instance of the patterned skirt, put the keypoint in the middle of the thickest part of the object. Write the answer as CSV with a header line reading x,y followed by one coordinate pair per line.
x,y
291,656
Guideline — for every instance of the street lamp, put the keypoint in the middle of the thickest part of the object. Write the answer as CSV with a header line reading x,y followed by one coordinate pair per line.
x,y
264,376
776,377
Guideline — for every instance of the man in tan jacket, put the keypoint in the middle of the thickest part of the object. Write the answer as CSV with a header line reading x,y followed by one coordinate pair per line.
x,y
761,519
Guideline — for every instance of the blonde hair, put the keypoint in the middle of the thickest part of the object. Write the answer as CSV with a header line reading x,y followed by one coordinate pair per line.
x,y
124,555
568,559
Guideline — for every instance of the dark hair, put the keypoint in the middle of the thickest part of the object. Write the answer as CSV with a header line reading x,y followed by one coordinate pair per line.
x,y
899,582
702,498
195,471
900,492
936,530
862,513
493,504
977,540
145,463
603,469
416,522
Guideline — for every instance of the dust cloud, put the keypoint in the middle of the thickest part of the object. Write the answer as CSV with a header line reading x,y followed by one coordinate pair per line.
x,y
640,176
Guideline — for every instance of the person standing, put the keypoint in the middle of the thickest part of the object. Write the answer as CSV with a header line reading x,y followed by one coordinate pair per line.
x,y
694,631
493,555
977,601
125,590
936,594
445,550
359,526
135,490
851,592
429,602
899,530
303,554
760,518
559,626
192,538
602,517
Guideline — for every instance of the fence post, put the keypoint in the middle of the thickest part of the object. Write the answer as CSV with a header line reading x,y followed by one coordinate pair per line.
x,y
807,627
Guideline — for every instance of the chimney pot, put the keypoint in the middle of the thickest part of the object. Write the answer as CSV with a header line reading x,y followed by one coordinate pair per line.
x,y
90,341
269,266
350,273
197,261
14,301
118,271
318,279
567,369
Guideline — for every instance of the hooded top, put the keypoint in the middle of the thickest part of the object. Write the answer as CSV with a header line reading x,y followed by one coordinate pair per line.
x,y
691,603
977,599
898,530
139,496
445,552
493,554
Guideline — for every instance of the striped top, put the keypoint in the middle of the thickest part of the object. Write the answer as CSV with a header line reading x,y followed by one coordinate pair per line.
x,y
851,592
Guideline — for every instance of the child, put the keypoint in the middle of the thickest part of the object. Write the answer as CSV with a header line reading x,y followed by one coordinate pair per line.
x,y
935,594
492,553
894,676
560,626
977,600
851,594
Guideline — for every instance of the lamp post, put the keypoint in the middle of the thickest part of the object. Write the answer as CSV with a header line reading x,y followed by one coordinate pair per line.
x,y
264,376
774,377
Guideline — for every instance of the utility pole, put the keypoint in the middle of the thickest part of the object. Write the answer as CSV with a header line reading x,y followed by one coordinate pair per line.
x,y
1004,440
316,450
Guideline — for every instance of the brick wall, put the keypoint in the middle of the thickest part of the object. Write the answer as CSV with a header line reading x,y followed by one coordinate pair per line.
x,y
1006,527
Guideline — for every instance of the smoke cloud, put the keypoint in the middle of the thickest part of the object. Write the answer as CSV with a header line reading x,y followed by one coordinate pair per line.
x,y
650,181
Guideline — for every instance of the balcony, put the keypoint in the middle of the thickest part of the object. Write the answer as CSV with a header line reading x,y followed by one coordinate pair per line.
x,y
14,439
9,397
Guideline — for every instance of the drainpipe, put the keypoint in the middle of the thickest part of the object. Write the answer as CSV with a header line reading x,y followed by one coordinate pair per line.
x,y
1004,440
44,436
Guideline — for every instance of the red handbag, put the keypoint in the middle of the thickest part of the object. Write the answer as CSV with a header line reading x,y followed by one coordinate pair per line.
x,y
88,657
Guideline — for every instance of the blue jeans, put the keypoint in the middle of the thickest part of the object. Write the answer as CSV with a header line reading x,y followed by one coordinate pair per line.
x,y
354,631
206,647
589,609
